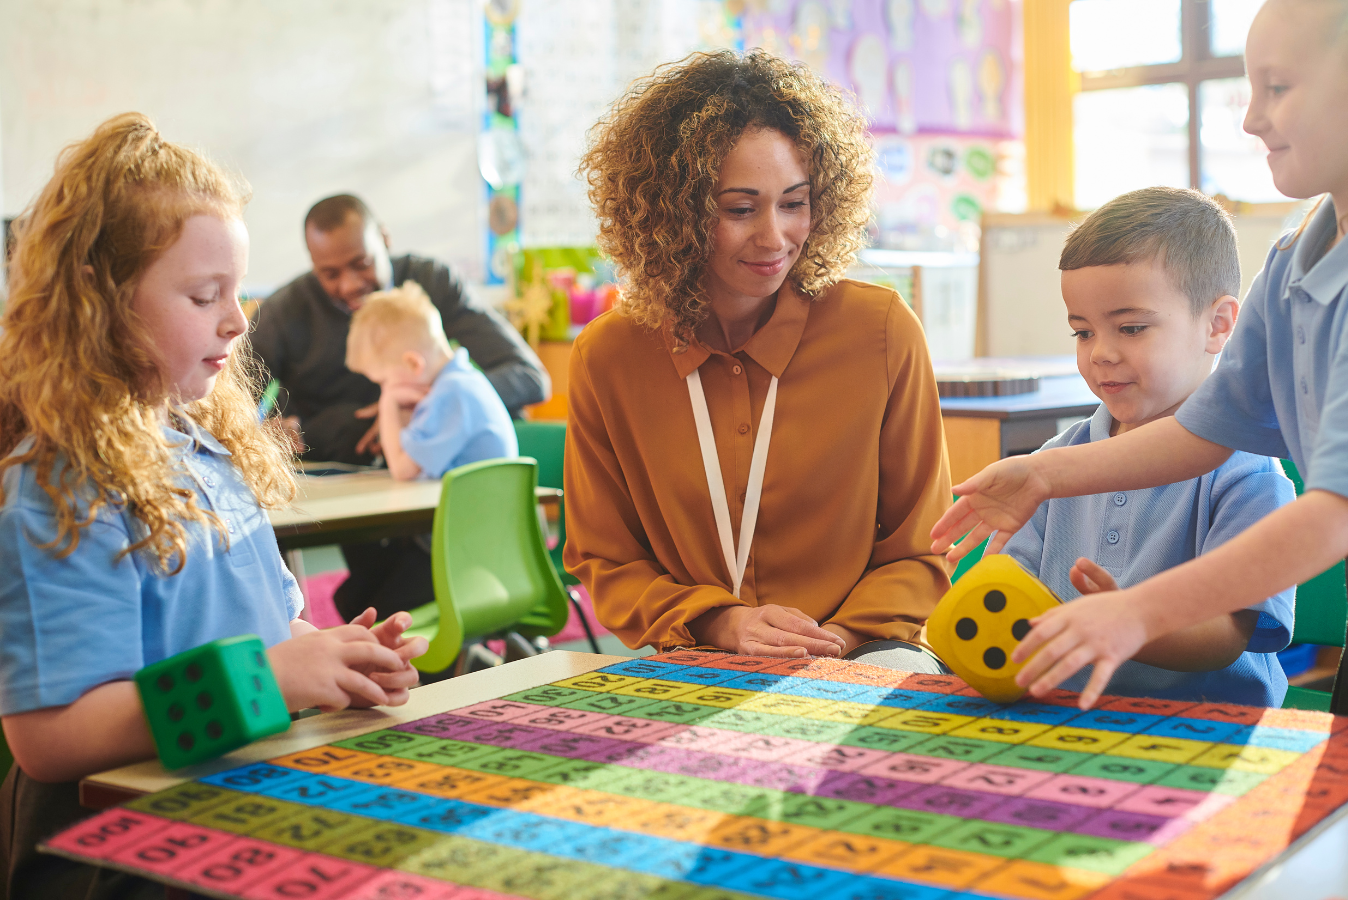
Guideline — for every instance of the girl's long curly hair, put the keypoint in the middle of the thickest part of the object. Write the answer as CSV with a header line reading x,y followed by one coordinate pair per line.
x,y
77,371
653,162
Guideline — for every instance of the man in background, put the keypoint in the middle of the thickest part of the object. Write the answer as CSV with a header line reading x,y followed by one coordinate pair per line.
x,y
299,334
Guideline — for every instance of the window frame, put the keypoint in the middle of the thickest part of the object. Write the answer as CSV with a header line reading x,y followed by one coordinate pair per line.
x,y
1196,65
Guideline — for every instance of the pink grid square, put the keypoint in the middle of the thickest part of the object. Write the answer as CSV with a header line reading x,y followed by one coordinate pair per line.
x,y
910,767
1006,780
1080,790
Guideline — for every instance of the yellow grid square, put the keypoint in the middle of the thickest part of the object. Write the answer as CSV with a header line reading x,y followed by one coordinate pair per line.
x,y
785,704
846,711
1002,730
655,689
1161,749
597,681
924,722
1082,740
1265,760
717,696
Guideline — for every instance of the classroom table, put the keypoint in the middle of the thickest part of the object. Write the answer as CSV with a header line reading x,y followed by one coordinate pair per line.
x,y
1315,867
357,506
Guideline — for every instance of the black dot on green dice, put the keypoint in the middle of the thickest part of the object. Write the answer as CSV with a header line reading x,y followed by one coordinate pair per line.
x,y
204,700
259,659
966,629
193,672
214,729
257,708
257,684
185,741
164,682
1020,629
995,601
175,712
994,658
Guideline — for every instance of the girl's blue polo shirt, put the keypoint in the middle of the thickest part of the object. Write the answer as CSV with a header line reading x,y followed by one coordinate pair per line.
x,y
1281,388
1137,534
68,625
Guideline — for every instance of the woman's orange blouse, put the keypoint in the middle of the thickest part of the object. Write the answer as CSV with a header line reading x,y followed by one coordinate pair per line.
x,y
856,470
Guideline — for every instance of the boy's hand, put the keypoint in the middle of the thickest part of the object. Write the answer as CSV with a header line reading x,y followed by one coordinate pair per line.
x,y
1090,578
404,393
389,633
1102,631
327,669
369,442
1000,498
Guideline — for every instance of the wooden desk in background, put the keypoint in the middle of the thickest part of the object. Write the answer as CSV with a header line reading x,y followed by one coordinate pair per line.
x,y
982,430
355,507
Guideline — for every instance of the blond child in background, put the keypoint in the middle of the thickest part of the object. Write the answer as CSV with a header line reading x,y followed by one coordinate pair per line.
x,y
133,471
436,411
1281,389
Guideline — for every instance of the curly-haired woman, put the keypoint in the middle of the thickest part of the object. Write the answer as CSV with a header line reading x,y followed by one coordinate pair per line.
x,y
733,192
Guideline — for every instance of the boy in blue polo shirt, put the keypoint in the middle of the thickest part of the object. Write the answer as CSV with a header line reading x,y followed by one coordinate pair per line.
x,y
1149,280
436,411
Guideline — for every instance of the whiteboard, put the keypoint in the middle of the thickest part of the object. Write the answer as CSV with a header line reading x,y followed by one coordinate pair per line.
x,y
304,98
1020,308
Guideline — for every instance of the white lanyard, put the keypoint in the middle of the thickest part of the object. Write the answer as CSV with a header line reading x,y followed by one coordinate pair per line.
x,y
735,564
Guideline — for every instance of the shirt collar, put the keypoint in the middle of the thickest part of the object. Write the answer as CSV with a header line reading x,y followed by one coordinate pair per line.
x,y
772,346
1101,423
192,436
1323,279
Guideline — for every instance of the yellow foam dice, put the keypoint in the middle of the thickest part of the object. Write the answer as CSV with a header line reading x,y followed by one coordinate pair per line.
x,y
979,622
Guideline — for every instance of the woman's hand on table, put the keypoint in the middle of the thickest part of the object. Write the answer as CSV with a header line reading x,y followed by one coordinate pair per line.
x,y
768,630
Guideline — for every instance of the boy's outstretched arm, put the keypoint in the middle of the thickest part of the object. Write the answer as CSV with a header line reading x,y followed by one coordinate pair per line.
x,y
1284,548
1004,496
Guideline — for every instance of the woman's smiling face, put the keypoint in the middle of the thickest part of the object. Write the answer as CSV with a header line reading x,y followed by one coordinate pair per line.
x,y
763,216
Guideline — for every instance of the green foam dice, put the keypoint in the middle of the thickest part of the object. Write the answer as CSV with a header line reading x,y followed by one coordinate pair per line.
x,y
210,700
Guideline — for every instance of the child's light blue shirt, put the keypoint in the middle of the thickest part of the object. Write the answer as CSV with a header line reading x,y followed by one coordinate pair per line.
x,y
1281,388
1137,534
460,420
69,625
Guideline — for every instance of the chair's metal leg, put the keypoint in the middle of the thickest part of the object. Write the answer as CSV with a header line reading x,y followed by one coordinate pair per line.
x,y
584,622
518,647
474,658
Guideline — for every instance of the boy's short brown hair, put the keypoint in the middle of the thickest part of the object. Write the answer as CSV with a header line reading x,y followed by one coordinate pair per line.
x,y
392,321
1187,231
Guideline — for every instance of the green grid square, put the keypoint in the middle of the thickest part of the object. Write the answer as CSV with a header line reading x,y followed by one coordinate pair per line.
x,y
890,740
821,812
1234,782
909,825
1041,758
1095,854
737,799
804,729
386,741
612,704
1123,768
189,799
993,839
661,787
511,763
744,720
963,749
548,695
446,752
580,773
674,711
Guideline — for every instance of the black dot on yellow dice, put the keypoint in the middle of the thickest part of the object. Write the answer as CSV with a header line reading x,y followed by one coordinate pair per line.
x,y
995,601
966,629
994,657
1020,629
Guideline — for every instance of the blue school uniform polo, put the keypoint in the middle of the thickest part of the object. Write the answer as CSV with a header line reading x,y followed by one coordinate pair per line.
x,y
68,625
1281,388
1137,534
460,420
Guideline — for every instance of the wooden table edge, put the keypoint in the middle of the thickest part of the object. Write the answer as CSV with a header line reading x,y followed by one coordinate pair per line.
x,y
105,789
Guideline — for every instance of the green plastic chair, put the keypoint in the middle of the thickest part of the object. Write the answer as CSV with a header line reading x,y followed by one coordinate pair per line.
x,y
545,441
489,563
1322,611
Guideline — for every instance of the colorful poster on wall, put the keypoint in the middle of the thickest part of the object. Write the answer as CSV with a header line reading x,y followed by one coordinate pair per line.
x,y
916,66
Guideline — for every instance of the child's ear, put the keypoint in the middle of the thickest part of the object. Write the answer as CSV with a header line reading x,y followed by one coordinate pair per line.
x,y
1221,322
415,362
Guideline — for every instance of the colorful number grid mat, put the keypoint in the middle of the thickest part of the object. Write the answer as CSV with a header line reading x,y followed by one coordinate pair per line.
x,y
705,776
